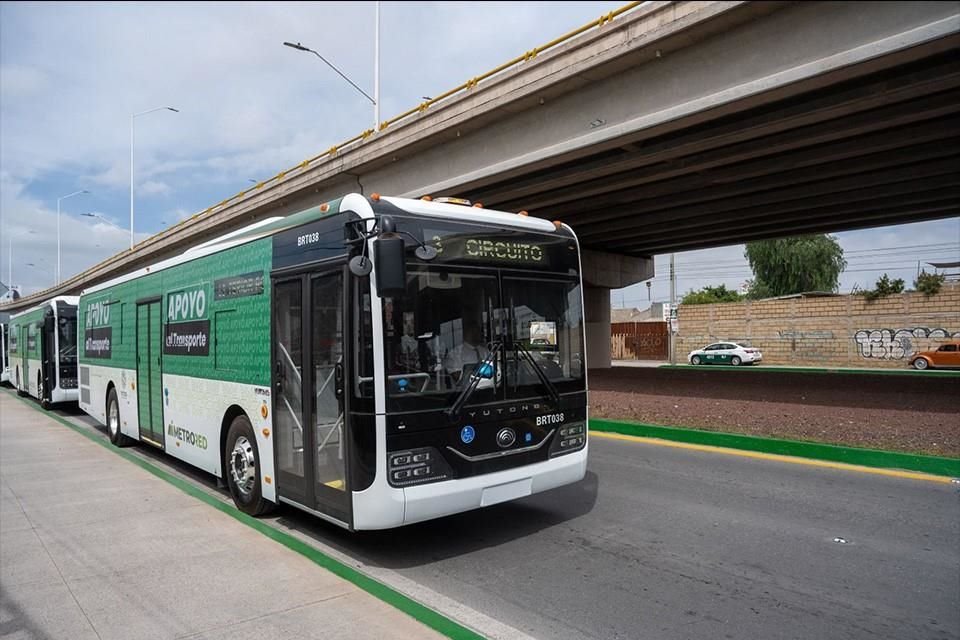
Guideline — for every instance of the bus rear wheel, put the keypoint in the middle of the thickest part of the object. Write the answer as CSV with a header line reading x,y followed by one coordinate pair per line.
x,y
113,421
243,468
42,392
20,391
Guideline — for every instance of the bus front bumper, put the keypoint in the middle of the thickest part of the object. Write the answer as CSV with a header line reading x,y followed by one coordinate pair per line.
x,y
445,498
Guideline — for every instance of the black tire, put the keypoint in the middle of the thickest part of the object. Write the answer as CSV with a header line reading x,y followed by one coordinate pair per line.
x,y
42,392
113,421
239,452
735,361
695,360
920,364
20,391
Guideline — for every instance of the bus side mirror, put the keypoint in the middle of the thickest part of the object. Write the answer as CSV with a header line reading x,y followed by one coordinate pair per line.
x,y
389,259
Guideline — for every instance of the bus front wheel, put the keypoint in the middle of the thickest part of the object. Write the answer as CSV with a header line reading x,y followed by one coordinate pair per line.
x,y
243,468
113,421
42,392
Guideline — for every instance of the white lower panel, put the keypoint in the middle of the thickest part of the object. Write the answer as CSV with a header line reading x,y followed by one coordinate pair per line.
x,y
193,411
64,395
124,381
28,380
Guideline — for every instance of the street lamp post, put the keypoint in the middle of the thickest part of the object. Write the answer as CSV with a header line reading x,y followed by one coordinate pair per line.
x,y
132,118
100,217
375,101
70,195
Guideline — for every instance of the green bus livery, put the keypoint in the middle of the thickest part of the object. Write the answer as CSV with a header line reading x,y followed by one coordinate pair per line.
x,y
373,361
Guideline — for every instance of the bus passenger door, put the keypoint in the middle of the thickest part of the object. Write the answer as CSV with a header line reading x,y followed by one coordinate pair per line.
x,y
287,393
149,384
328,417
307,393
48,355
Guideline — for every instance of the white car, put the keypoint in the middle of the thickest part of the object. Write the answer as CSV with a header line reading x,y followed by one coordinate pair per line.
x,y
725,353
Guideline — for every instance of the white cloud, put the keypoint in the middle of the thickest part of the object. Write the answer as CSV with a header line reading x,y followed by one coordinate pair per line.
x,y
152,187
21,82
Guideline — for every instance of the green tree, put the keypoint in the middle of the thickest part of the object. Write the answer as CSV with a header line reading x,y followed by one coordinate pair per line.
x,y
709,295
794,265
929,283
884,287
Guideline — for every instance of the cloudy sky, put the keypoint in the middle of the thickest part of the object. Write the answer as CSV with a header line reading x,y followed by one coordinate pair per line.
x,y
71,75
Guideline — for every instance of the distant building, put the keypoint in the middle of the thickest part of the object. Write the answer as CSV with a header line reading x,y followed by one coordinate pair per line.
x,y
653,314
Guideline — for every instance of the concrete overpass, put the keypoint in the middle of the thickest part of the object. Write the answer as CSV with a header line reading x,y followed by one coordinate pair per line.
x,y
667,127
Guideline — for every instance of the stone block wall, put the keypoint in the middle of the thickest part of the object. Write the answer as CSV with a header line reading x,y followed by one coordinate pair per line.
x,y
840,331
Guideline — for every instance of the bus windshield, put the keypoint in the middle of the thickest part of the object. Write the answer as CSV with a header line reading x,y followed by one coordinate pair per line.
x,y
67,329
451,321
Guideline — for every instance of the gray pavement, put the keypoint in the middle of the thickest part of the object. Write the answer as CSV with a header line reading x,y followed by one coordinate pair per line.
x,y
667,543
92,546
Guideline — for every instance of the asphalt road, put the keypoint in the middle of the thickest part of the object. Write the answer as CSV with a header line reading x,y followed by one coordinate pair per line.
x,y
668,543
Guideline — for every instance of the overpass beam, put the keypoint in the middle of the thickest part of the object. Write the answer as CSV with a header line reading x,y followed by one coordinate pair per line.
x,y
602,272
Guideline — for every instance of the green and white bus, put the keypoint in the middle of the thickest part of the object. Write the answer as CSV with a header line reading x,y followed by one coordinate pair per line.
x,y
373,361
4,356
42,351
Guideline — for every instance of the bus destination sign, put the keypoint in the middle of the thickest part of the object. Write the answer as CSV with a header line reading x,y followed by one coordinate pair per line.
x,y
483,249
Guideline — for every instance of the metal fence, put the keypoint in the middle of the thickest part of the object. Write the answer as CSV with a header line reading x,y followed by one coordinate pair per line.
x,y
639,341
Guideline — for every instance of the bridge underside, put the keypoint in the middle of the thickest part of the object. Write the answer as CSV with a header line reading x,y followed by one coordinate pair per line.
x,y
879,149
876,150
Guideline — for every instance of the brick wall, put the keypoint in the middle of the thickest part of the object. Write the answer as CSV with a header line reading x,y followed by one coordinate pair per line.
x,y
843,331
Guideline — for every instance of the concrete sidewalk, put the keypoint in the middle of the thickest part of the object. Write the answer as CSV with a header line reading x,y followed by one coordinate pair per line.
x,y
92,546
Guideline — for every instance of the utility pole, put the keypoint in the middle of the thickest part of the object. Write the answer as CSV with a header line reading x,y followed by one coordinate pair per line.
x,y
673,305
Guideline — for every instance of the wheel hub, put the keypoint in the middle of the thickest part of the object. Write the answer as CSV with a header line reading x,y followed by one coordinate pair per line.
x,y
243,468
113,420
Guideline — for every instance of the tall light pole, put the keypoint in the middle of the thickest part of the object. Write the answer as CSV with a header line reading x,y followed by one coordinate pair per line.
x,y
375,101
61,198
132,118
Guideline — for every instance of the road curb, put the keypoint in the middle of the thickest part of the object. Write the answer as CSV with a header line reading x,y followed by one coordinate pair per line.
x,y
929,373
935,465
423,614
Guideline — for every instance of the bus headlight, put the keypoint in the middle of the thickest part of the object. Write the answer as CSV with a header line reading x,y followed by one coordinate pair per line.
x,y
416,466
571,437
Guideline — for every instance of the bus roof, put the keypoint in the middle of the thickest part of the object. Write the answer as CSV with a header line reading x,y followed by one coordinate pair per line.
x,y
71,300
352,202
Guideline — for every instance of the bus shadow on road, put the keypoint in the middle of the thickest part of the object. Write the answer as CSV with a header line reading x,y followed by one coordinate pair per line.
x,y
428,542
412,545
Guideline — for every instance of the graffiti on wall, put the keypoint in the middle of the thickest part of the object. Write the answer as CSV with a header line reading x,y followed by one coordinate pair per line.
x,y
805,335
897,344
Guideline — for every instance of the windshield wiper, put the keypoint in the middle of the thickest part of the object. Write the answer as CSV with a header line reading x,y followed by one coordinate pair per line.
x,y
475,379
544,380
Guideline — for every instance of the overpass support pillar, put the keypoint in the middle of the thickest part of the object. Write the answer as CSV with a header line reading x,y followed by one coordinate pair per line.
x,y
596,314
601,273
